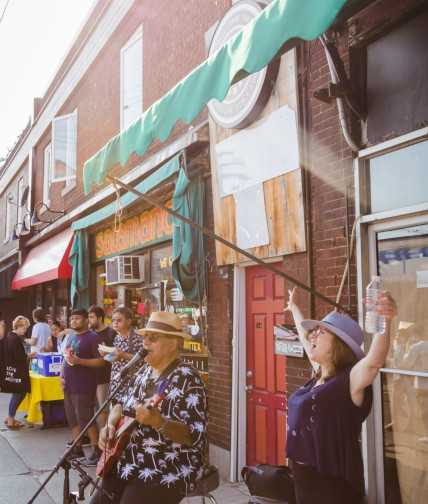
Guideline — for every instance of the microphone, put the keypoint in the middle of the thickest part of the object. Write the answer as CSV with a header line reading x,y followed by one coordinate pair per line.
x,y
138,356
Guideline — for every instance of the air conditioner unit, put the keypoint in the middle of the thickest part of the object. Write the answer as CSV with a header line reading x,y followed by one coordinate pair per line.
x,y
124,269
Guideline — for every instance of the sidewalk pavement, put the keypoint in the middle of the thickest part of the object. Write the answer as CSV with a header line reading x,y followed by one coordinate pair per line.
x,y
28,456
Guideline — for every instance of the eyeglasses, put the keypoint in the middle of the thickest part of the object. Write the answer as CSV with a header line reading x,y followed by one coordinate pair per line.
x,y
317,330
117,320
151,337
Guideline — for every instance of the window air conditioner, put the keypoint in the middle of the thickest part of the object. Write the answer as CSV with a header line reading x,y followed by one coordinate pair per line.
x,y
124,269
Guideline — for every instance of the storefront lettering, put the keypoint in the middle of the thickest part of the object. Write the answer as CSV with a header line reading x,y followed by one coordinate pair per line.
x,y
150,225
195,346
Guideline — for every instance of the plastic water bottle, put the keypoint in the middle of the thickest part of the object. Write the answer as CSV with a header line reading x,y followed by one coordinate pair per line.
x,y
374,323
34,367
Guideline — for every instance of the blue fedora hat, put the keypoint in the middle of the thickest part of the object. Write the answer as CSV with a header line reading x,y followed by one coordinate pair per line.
x,y
342,326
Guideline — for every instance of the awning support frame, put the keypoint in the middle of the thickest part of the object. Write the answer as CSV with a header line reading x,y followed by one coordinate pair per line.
x,y
231,245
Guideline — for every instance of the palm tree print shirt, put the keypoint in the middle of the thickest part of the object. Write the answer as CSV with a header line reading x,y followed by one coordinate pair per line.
x,y
152,457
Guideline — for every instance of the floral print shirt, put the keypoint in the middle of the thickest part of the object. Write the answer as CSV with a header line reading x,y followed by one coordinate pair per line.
x,y
151,456
116,367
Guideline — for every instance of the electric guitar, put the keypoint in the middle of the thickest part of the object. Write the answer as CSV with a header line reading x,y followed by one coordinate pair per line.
x,y
124,428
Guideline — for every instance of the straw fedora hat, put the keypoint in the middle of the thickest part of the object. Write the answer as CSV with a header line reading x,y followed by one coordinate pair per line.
x,y
342,326
164,323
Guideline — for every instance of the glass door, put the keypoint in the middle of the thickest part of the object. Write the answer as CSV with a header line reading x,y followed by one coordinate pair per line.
x,y
401,252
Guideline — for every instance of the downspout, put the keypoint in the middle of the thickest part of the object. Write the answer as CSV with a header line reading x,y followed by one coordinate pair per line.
x,y
307,196
340,108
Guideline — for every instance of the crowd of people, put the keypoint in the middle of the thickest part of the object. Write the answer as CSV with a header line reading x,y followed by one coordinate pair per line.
x,y
166,400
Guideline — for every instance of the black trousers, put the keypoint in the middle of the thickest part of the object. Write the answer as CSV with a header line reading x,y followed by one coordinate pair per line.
x,y
136,492
313,487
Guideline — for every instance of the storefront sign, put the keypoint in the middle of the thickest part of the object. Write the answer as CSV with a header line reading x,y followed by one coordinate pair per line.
x,y
150,227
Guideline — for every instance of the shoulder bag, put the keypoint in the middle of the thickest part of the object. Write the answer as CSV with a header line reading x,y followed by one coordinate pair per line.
x,y
273,482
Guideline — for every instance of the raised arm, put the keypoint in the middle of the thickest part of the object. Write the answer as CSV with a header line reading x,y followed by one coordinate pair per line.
x,y
298,317
366,370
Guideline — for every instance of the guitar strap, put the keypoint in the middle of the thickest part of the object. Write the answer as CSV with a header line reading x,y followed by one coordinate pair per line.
x,y
151,388
153,384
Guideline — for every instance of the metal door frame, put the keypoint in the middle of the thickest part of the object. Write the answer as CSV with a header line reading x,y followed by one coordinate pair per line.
x,y
368,226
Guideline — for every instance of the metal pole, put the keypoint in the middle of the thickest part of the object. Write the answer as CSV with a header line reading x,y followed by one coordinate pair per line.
x,y
209,233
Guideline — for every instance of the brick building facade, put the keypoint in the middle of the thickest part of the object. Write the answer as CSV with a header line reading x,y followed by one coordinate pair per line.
x,y
317,205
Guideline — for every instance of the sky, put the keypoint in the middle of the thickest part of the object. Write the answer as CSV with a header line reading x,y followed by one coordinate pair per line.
x,y
34,37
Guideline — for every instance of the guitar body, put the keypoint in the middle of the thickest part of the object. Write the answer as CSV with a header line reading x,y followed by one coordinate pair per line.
x,y
110,456
124,428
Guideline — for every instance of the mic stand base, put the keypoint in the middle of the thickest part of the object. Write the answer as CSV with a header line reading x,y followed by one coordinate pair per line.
x,y
65,464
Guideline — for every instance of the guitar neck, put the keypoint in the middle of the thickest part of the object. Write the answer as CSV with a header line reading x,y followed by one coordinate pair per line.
x,y
130,422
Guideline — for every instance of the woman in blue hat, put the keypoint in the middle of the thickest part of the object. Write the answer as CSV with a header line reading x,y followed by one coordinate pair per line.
x,y
326,414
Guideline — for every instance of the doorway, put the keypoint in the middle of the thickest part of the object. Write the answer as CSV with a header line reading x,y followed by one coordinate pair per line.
x,y
265,371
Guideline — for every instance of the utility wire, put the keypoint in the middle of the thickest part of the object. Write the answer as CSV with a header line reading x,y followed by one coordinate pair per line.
x,y
4,10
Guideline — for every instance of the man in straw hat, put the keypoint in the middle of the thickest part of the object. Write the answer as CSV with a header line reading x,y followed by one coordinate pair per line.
x,y
326,414
165,457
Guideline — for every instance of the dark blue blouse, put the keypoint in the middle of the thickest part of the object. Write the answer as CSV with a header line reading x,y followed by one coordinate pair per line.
x,y
324,426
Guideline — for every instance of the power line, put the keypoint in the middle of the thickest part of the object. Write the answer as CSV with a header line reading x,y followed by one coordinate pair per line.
x,y
4,10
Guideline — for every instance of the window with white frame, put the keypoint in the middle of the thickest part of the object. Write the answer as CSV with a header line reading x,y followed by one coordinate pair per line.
x,y
64,143
131,79
47,163
20,194
7,229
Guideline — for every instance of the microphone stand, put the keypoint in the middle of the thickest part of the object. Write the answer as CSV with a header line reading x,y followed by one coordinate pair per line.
x,y
70,498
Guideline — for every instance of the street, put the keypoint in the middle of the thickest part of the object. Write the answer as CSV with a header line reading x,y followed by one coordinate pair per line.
x,y
28,455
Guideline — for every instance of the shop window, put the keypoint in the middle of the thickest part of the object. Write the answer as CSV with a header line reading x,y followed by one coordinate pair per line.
x,y
172,300
160,293
62,303
54,298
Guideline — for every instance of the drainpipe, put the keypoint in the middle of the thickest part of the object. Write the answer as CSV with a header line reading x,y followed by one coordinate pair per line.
x,y
340,107
307,194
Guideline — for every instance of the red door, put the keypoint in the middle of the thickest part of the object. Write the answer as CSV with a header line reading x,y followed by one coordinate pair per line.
x,y
266,418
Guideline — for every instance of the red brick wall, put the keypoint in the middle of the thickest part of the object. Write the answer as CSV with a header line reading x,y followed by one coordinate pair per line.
x,y
220,311
330,172
180,27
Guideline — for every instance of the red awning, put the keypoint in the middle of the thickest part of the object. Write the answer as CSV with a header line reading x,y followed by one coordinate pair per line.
x,y
47,261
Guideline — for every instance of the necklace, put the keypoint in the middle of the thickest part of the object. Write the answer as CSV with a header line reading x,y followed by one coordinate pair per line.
x,y
319,382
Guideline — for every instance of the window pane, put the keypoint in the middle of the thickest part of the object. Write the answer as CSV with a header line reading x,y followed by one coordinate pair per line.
x,y
399,178
46,174
132,83
403,264
64,146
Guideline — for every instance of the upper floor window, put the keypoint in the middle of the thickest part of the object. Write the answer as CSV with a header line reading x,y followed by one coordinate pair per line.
x,y
8,227
47,163
64,142
398,178
21,208
131,79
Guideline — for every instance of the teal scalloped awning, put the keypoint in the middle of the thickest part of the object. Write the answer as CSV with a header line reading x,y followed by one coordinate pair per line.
x,y
277,29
